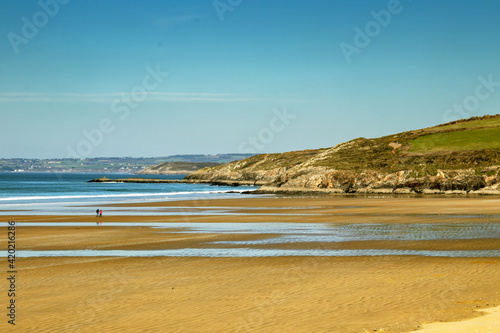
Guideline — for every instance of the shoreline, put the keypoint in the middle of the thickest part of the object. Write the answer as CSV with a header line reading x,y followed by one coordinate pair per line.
x,y
368,191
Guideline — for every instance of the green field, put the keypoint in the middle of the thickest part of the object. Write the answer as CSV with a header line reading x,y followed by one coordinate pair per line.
x,y
470,139
489,122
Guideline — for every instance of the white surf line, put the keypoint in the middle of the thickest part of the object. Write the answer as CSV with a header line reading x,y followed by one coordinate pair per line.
x,y
251,252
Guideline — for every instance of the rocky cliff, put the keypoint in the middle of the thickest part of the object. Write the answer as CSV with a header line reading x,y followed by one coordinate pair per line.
x,y
457,157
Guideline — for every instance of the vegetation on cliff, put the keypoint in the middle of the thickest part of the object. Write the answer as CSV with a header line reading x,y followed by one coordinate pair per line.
x,y
462,155
175,168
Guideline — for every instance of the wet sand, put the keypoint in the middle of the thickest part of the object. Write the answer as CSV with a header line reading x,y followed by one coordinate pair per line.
x,y
280,294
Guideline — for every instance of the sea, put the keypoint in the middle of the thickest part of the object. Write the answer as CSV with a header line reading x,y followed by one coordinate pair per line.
x,y
27,193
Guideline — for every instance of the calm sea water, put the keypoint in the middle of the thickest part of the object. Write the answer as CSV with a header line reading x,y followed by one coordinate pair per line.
x,y
41,191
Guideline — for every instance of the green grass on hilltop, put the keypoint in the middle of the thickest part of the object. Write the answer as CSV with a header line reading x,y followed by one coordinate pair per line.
x,y
470,139
473,143
477,123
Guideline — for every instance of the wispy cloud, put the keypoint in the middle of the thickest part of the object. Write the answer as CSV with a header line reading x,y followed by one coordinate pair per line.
x,y
208,97
23,97
20,97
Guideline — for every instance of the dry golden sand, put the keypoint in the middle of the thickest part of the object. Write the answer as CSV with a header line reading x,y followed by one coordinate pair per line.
x,y
250,294
486,324
283,294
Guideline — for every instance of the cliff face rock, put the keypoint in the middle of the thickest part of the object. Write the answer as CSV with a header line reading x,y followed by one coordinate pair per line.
x,y
447,181
295,179
371,182
231,172
267,168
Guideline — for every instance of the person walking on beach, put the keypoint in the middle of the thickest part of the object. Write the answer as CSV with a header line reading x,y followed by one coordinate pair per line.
x,y
97,213
100,213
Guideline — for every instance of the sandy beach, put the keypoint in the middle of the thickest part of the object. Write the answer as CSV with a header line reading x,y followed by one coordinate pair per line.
x,y
259,294
231,166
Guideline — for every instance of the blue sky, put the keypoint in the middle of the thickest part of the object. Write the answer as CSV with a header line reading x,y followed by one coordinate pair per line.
x,y
243,76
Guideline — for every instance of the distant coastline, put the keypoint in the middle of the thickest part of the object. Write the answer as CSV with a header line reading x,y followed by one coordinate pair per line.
x,y
183,164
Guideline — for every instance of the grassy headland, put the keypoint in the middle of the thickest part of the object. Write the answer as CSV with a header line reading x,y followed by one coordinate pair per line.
x,y
463,155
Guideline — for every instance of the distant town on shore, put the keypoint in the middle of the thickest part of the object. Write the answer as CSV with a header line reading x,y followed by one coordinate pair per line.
x,y
112,164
